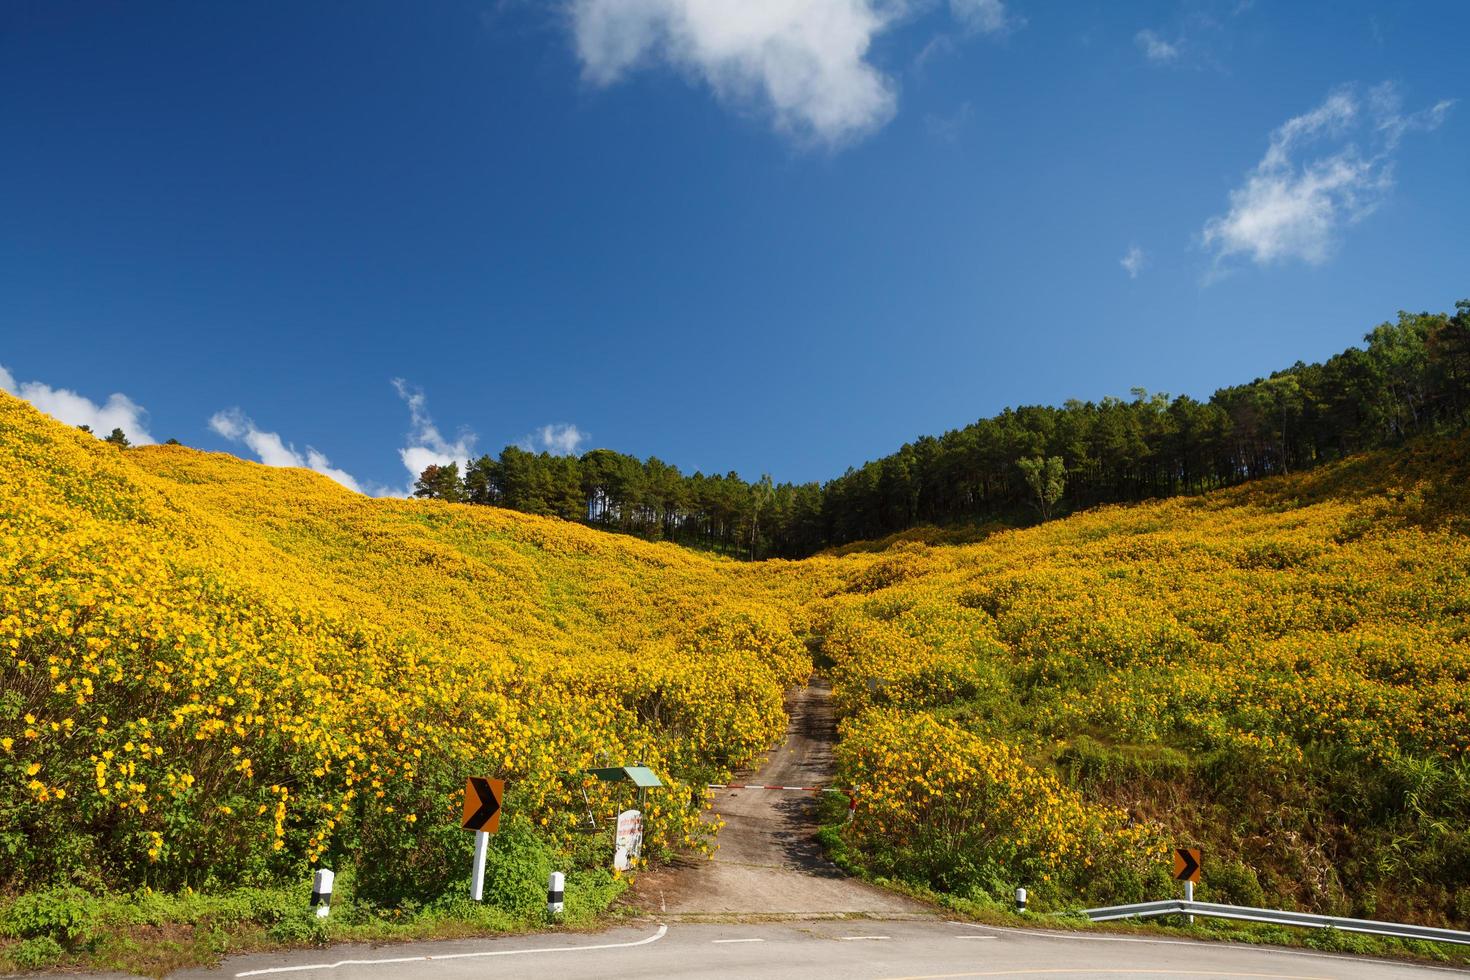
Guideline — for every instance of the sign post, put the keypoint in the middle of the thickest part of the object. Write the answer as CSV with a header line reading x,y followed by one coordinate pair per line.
x,y
1187,869
482,815
477,881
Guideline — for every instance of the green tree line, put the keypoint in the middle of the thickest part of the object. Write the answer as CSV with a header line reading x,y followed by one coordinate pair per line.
x,y
1409,377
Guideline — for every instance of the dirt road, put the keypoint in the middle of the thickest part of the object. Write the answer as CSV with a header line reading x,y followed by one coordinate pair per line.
x,y
769,861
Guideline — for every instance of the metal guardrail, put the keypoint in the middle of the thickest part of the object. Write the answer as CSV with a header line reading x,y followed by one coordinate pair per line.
x,y
1306,920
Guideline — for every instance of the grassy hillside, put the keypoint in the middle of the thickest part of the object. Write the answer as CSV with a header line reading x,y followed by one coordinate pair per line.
x,y
1276,672
218,674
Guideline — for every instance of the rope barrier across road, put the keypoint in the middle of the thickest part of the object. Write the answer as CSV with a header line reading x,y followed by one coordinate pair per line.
x,y
848,792
795,789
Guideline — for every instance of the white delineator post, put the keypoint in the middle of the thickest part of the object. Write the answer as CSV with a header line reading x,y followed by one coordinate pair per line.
x,y
477,883
555,889
321,892
1020,899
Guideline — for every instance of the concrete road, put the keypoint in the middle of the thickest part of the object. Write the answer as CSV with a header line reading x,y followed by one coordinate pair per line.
x,y
854,949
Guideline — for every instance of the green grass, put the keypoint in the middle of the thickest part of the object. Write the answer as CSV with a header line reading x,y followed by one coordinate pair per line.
x,y
152,933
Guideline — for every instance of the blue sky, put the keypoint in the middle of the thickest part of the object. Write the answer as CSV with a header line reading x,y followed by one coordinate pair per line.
x,y
778,236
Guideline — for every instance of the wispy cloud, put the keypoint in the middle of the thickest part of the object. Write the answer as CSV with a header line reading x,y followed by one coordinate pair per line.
x,y
947,128
804,65
426,445
234,425
1156,48
559,439
1295,208
985,16
118,412
1133,261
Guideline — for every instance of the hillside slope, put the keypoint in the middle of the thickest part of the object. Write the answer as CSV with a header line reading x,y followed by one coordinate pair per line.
x,y
1279,672
217,672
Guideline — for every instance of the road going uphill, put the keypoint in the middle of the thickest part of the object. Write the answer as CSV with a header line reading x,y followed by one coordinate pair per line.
x,y
769,862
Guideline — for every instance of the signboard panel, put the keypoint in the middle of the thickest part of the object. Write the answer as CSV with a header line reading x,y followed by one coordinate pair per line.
x,y
629,841
482,804
1187,864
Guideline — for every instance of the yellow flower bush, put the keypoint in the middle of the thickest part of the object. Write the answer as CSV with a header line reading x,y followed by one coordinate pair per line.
x,y
1280,671
957,809
212,671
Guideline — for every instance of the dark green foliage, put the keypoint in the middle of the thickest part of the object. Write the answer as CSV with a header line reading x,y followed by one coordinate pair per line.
x,y
440,483
1411,377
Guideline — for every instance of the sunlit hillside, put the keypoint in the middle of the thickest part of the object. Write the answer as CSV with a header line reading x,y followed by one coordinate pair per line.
x,y
1278,672
217,672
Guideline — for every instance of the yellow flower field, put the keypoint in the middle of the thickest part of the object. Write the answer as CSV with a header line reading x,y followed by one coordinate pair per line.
x,y
215,672
1279,672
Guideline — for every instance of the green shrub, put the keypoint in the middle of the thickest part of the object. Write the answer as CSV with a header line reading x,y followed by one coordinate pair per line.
x,y
36,952
66,915
300,928
516,869
1232,883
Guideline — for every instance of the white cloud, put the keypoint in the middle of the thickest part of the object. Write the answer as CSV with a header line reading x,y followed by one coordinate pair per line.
x,y
426,445
1156,48
805,64
118,412
1287,209
559,439
984,16
236,426
1134,261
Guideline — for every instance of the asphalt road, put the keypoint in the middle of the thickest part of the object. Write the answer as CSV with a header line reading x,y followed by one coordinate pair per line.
x,y
852,949
770,905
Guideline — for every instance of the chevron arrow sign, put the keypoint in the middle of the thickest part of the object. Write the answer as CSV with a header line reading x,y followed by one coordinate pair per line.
x,y
1186,864
482,804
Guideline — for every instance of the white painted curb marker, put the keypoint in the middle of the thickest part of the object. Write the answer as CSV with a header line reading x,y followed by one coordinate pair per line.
x,y
321,892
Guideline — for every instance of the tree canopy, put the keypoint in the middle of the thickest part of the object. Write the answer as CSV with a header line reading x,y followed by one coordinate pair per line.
x,y
1411,376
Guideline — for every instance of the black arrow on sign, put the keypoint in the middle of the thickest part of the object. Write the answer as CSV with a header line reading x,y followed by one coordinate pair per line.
x,y
489,805
1190,865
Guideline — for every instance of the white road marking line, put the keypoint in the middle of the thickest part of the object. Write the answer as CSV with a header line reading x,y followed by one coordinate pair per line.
x,y
976,937
662,930
737,940
1246,947
851,938
1093,972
